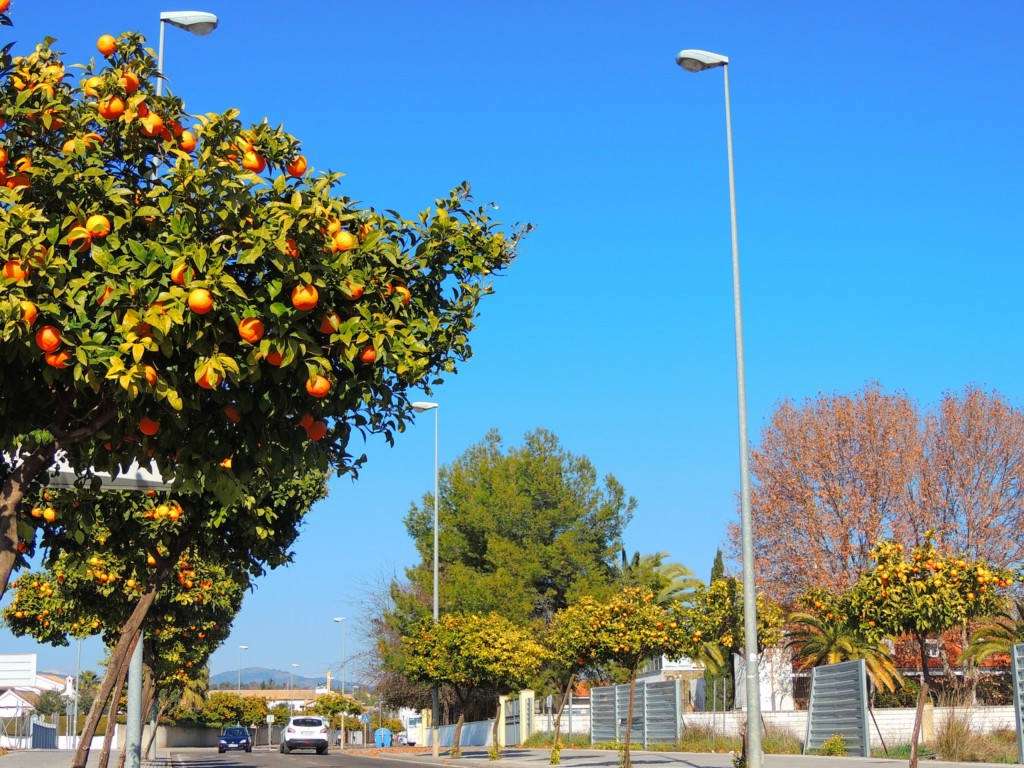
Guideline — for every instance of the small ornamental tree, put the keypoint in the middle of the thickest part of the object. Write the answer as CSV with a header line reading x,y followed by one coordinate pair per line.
x,y
195,297
572,643
629,629
925,594
716,619
467,651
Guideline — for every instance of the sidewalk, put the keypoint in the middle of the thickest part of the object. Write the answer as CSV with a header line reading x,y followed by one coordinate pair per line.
x,y
600,758
510,758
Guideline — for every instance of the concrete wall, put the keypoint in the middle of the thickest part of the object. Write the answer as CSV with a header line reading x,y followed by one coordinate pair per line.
x,y
894,726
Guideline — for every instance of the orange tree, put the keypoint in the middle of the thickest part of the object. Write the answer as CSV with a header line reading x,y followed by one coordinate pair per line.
x,y
196,297
628,629
924,594
716,618
467,651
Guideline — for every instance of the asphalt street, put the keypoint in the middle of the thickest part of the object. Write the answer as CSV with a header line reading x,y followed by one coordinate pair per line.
x,y
472,758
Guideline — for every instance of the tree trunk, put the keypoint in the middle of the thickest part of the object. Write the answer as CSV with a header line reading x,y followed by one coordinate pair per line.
x,y
120,655
626,762
108,735
926,677
148,694
556,745
918,716
456,750
11,494
495,744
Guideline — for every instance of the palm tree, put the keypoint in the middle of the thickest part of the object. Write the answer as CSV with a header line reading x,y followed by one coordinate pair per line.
x,y
819,641
999,636
670,582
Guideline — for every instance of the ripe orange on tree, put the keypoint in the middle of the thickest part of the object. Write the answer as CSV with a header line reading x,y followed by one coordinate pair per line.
x,y
48,338
187,141
79,238
148,426
318,386
150,373
49,514
200,301
111,109
343,241
130,81
403,291
368,355
291,248
207,377
316,430
297,166
330,322
231,413
305,297
253,162
306,421
178,274
354,291
152,124
58,359
106,44
4,5
250,329
29,312
274,358
14,271
92,86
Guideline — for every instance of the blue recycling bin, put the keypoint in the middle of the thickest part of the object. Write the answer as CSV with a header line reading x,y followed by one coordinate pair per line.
x,y
382,737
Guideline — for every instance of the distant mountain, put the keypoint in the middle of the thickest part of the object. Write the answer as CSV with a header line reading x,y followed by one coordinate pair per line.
x,y
274,678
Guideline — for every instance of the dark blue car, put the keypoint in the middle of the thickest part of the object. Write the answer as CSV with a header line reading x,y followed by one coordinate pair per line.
x,y
234,738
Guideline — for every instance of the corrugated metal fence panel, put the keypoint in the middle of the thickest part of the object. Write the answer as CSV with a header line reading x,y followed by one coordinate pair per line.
x,y
656,713
512,722
838,704
1017,659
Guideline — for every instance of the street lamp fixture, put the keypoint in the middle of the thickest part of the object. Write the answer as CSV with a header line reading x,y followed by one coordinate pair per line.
x,y
420,407
698,61
197,22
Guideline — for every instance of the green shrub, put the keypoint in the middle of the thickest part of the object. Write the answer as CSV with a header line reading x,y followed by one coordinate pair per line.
x,y
833,746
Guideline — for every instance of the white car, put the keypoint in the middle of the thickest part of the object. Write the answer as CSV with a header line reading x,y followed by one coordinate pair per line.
x,y
306,732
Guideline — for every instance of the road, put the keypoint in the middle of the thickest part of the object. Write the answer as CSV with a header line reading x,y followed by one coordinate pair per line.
x,y
472,758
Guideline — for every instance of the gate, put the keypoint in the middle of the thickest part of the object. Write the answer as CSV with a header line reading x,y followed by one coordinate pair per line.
x,y
44,736
513,721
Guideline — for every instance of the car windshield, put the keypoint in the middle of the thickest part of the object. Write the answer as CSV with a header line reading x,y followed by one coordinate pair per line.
x,y
307,722
236,732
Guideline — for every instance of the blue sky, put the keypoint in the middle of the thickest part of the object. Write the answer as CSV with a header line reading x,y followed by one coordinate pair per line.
x,y
878,163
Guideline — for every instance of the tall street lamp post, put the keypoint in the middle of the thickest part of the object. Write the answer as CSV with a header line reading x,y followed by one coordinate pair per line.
x,y
698,61
199,23
341,620
240,649
291,686
420,407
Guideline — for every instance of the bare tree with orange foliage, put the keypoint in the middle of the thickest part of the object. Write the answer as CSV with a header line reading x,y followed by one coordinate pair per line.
x,y
836,474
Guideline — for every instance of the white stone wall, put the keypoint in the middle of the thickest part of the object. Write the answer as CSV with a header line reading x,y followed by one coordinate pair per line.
x,y
894,726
